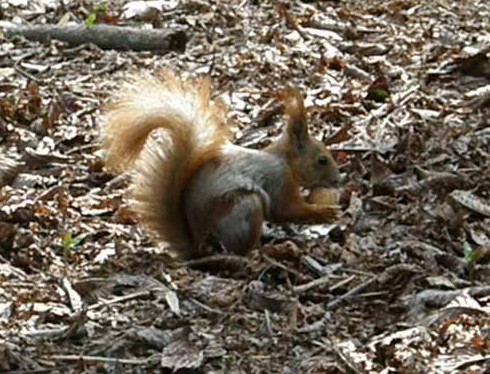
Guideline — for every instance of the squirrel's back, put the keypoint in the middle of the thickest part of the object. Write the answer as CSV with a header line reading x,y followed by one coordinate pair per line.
x,y
194,130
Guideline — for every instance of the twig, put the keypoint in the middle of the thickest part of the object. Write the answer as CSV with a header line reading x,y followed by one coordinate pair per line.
x,y
97,359
116,300
314,283
205,307
45,334
357,272
342,283
268,323
370,294
334,303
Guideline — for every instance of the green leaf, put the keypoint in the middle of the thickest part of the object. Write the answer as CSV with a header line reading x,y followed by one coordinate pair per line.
x,y
90,20
468,254
70,243
67,244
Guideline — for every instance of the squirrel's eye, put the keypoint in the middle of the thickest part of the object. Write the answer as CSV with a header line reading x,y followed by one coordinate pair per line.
x,y
322,160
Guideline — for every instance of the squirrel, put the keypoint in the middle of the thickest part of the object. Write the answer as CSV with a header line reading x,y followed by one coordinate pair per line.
x,y
191,186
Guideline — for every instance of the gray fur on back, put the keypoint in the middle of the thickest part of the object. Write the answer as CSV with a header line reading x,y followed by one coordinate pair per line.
x,y
243,173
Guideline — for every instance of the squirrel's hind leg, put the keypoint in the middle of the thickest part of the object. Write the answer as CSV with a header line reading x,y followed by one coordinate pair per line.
x,y
239,227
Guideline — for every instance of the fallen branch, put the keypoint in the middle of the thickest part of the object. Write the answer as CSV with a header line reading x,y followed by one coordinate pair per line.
x,y
105,36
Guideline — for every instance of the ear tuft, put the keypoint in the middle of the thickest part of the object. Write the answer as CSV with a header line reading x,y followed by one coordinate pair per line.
x,y
294,108
293,104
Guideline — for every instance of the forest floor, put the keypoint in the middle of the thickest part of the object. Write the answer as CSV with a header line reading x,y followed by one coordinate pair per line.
x,y
400,90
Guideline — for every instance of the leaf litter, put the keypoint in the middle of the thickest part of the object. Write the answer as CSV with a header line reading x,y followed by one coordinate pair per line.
x,y
398,89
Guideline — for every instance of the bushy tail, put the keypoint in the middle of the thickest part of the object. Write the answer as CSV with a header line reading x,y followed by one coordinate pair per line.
x,y
163,161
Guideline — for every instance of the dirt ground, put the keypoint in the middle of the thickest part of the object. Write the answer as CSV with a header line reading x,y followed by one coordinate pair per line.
x,y
399,90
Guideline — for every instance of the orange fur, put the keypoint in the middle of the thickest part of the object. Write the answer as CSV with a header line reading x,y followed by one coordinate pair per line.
x,y
294,106
163,162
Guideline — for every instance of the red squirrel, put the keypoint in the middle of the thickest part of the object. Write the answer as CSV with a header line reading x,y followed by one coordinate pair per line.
x,y
191,186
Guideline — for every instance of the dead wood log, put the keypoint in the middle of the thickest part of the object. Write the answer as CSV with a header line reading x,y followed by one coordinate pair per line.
x,y
106,37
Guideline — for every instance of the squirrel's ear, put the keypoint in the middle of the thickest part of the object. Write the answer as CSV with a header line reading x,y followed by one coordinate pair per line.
x,y
297,127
